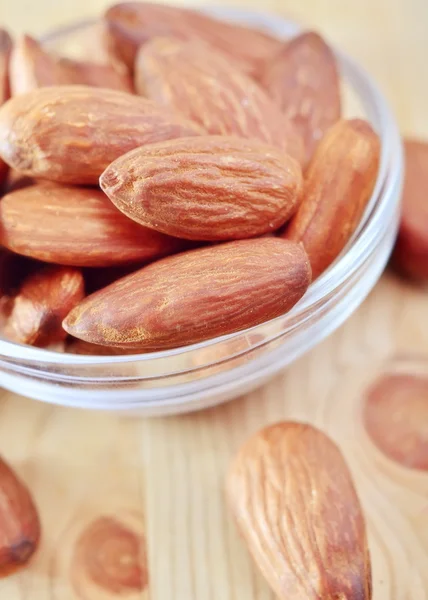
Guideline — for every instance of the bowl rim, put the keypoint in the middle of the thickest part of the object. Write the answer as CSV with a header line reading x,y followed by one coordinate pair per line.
x,y
361,245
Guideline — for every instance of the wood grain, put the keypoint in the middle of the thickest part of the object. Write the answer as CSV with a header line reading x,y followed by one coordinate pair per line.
x,y
164,477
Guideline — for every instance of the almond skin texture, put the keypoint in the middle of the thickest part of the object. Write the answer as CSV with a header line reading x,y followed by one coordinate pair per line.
x,y
132,24
303,80
195,296
5,50
206,188
339,183
70,134
77,227
191,78
411,250
41,304
295,505
32,67
19,522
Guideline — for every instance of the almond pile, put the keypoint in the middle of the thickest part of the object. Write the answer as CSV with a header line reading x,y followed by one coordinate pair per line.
x,y
192,187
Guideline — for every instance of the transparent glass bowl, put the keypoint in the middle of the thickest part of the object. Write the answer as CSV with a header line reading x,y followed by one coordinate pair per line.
x,y
219,369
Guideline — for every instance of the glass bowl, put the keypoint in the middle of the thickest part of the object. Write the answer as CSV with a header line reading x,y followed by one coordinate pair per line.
x,y
217,370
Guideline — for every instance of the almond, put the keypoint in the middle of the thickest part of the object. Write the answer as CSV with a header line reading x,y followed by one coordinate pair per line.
x,y
304,81
194,296
19,522
41,304
411,250
77,227
70,134
191,78
32,66
296,507
339,182
5,50
132,24
205,188
93,74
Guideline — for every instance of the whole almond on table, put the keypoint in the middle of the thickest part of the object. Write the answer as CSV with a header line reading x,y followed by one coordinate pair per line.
x,y
191,78
194,296
132,24
70,134
19,522
339,182
411,251
44,299
296,507
76,226
303,80
32,66
5,50
206,188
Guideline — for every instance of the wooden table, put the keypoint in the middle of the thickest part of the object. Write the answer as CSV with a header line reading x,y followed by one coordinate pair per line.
x,y
97,476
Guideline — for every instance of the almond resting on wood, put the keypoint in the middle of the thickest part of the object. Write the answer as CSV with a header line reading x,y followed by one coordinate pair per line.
x,y
296,507
19,522
411,250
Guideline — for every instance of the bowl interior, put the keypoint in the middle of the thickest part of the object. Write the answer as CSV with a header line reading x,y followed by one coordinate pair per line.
x,y
361,98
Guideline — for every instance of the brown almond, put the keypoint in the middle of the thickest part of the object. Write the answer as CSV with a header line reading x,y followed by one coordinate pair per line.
x,y
303,80
96,75
206,188
19,522
32,66
41,304
192,78
339,183
70,134
76,227
194,296
5,50
411,251
296,507
132,24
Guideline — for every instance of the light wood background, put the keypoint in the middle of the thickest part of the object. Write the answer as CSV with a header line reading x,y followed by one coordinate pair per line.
x,y
104,485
